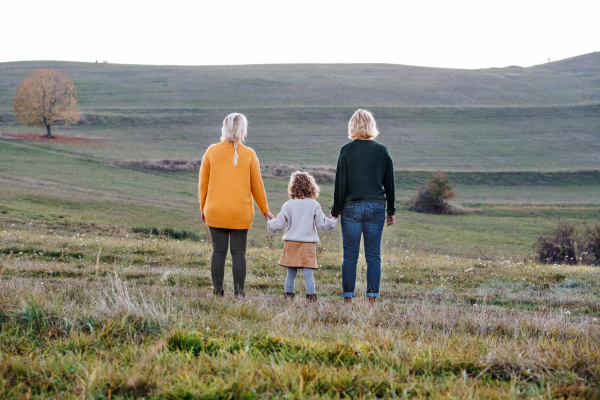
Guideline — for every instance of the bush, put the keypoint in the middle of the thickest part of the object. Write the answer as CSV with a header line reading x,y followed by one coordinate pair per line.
x,y
591,244
558,247
434,195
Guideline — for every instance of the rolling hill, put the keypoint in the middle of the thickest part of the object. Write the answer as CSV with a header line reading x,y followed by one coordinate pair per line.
x,y
573,81
509,119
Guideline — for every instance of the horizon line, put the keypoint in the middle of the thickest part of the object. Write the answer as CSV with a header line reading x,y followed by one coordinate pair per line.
x,y
293,64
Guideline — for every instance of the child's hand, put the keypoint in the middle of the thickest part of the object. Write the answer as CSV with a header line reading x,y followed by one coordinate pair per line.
x,y
332,217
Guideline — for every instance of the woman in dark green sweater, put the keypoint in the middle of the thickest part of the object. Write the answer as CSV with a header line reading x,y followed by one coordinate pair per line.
x,y
364,194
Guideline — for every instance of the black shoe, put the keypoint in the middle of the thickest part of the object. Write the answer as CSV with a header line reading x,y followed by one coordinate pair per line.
x,y
290,296
311,298
240,293
219,292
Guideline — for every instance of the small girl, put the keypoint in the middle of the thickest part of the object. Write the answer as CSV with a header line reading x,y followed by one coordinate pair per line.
x,y
301,214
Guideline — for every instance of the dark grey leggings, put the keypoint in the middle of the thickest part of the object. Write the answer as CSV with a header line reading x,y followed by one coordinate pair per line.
x,y
221,241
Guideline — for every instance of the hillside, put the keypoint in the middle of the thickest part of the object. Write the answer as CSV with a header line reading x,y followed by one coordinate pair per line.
x,y
107,86
511,119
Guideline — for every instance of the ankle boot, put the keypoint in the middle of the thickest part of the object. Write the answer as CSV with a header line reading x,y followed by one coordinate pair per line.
x,y
311,298
290,296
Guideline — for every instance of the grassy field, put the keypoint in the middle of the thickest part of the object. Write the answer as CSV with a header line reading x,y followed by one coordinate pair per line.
x,y
104,312
452,139
104,265
46,184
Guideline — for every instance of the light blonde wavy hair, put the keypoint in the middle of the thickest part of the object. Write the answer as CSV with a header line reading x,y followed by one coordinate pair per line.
x,y
234,130
303,186
362,125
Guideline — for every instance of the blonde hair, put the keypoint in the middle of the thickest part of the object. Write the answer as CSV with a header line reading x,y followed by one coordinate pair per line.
x,y
303,186
362,125
234,130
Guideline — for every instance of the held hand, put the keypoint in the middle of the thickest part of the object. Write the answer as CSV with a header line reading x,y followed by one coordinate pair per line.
x,y
390,220
269,216
202,216
331,216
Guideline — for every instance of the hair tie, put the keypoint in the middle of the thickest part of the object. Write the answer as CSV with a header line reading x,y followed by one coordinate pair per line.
x,y
235,154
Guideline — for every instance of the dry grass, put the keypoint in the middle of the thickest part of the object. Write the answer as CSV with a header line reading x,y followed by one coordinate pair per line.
x,y
137,319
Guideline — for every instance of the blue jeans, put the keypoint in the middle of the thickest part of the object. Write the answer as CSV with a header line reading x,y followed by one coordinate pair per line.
x,y
366,219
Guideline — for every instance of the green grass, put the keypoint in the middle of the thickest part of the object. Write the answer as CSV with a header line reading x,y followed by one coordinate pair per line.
x,y
120,314
449,138
108,86
44,185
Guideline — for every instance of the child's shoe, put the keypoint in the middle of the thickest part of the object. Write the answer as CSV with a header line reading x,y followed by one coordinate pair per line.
x,y
311,298
290,296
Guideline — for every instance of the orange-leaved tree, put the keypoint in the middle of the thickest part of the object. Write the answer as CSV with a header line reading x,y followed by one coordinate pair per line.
x,y
45,98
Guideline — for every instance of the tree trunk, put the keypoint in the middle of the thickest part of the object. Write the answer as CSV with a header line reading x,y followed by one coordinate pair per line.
x,y
48,134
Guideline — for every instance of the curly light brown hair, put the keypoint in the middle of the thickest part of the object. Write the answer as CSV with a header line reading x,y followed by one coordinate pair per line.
x,y
303,186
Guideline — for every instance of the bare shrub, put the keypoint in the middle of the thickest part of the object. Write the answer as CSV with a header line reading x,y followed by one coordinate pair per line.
x,y
590,244
558,247
433,197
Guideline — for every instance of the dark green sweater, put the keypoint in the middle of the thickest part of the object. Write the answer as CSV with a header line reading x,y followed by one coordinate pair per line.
x,y
365,172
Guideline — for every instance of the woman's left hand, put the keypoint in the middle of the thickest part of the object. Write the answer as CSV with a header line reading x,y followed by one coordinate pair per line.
x,y
202,216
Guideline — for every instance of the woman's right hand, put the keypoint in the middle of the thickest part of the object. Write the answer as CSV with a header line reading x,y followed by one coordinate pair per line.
x,y
269,216
390,220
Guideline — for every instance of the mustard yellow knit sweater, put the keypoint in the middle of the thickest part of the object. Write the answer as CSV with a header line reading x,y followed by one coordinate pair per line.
x,y
225,191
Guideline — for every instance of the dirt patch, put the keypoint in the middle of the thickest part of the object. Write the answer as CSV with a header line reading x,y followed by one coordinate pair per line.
x,y
321,174
70,140
166,165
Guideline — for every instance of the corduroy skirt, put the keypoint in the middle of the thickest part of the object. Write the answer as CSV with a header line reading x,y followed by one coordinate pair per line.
x,y
299,255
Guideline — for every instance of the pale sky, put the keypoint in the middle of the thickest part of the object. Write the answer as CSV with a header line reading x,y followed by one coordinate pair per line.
x,y
437,33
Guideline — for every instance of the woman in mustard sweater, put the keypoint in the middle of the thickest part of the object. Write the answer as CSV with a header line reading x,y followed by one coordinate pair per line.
x,y
229,180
